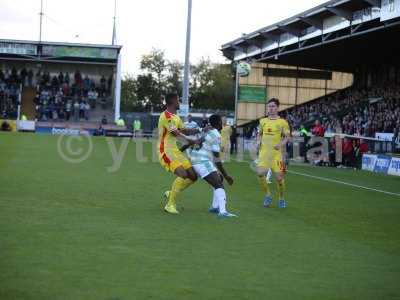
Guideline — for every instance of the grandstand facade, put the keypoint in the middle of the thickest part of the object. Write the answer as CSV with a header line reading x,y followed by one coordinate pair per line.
x,y
292,85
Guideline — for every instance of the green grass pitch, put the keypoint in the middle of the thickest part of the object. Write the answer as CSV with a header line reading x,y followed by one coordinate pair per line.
x,y
77,231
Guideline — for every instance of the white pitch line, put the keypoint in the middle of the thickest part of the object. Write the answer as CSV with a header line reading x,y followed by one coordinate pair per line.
x,y
344,183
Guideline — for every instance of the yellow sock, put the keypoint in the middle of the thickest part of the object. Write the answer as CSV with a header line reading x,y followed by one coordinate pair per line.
x,y
281,188
264,185
178,186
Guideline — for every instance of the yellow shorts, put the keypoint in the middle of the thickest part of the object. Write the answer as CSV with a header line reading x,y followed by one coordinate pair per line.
x,y
173,160
272,161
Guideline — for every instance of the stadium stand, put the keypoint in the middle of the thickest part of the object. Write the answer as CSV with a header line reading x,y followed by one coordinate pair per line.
x,y
60,98
354,111
357,37
9,93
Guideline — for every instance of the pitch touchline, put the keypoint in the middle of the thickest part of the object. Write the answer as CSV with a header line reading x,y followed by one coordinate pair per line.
x,y
344,183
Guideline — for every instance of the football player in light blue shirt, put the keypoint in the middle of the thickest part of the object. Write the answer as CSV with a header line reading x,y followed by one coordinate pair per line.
x,y
205,159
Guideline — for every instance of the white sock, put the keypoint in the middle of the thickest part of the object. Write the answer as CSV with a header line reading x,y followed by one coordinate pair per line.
x,y
214,201
220,195
269,174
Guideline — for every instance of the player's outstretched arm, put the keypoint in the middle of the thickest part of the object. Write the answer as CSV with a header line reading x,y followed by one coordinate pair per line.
x,y
221,168
189,143
190,131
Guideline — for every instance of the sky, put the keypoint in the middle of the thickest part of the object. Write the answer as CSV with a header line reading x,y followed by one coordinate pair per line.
x,y
146,24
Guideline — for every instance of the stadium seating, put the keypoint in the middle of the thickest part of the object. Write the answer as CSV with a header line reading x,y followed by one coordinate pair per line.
x,y
9,93
353,111
60,97
53,96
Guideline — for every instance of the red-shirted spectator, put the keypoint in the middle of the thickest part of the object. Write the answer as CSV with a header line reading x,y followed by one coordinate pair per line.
x,y
363,147
318,130
348,152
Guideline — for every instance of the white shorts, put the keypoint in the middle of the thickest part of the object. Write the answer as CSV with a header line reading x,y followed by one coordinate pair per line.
x,y
204,169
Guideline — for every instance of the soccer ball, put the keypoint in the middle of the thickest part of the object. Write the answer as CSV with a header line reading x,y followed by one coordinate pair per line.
x,y
243,69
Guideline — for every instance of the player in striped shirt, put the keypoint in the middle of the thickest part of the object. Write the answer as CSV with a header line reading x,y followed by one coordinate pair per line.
x,y
206,161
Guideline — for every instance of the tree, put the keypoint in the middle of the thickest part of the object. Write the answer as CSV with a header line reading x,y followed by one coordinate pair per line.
x,y
174,77
129,99
212,85
222,89
147,92
155,64
200,79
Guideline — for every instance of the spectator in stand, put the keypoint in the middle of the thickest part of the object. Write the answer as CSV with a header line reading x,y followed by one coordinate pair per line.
x,y
38,77
67,79
104,120
103,86
86,83
82,110
54,82
78,79
14,76
318,130
68,108
65,89
354,111
76,110
61,78
46,79
87,109
92,97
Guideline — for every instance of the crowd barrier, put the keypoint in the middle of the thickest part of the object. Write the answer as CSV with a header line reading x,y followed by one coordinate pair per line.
x,y
385,164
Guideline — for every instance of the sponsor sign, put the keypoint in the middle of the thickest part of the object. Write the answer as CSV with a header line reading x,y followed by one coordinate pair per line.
x,y
256,94
388,137
394,168
17,48
25,125
64,131
368,162
79,51
382,164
